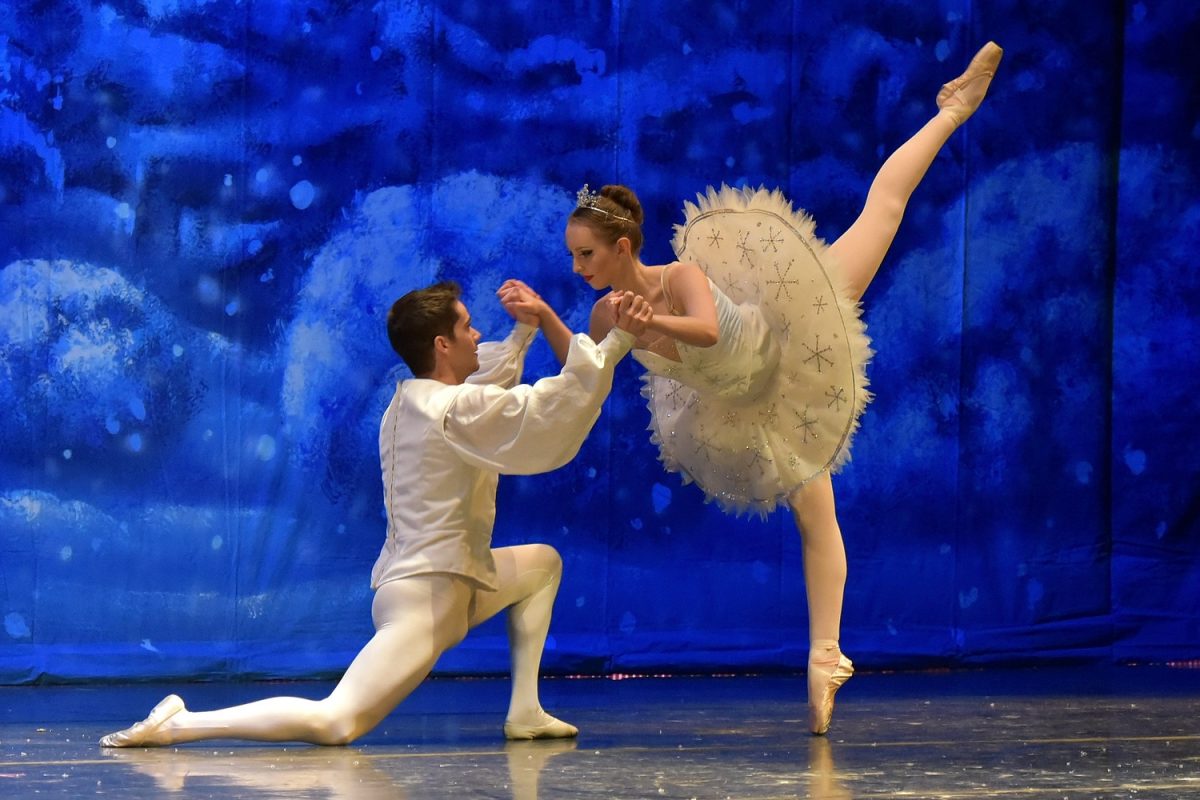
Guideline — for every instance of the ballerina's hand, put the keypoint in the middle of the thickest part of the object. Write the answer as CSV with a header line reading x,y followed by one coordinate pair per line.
x,y
633,313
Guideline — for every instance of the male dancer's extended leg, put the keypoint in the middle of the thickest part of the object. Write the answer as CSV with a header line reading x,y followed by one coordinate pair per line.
x,y
416,620
528,577
860,250
824,554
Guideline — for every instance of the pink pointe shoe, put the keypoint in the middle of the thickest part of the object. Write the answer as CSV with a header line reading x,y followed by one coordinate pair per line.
x,y
961,96
139,735
823,682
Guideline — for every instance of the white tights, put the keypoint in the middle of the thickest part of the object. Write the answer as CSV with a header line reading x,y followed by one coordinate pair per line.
x,y
416,620
858,252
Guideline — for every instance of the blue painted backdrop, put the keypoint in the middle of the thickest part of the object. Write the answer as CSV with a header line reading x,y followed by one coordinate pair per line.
x,y
207,206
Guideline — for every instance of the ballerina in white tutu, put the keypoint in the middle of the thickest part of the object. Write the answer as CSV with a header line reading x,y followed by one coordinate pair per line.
x,y
755,352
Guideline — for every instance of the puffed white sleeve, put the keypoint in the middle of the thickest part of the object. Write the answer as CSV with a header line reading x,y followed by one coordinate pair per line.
x,y
536,428
501,363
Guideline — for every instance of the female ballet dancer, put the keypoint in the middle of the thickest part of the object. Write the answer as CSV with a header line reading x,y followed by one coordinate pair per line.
x,y
755,351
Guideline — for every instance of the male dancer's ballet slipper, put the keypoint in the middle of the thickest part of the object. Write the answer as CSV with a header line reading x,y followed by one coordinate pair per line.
x,y
961,96
547,727
139,734
823,682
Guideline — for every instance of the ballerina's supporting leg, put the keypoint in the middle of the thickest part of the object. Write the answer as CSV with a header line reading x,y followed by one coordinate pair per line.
x,y
416,620
815,513
860,250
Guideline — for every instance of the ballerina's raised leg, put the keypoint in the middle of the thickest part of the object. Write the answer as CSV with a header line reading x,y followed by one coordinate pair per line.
x,y
860,250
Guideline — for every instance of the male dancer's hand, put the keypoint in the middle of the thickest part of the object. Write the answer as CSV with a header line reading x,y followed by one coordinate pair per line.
x,y
522,303
527,306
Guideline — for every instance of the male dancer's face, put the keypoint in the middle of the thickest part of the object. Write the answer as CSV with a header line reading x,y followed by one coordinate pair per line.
x,y
462,352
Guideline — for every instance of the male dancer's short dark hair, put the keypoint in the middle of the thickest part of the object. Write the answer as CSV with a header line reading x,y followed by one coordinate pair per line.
x,y
419,317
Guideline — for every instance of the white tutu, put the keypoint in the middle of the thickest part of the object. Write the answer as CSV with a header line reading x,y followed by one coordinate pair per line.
x,y
777,400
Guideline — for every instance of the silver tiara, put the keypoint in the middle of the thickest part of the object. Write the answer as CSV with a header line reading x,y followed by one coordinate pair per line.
x,y
590,201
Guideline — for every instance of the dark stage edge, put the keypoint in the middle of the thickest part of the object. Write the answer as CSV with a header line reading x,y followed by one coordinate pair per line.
x,y
1113,732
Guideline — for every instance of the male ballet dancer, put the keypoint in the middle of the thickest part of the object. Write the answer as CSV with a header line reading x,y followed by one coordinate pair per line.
x,y
445,438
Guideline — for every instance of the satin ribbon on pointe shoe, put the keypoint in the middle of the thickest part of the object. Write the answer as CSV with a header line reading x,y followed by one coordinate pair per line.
x,y
960,101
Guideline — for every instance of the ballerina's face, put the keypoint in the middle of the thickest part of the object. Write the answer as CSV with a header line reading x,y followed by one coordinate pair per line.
x,y
592,258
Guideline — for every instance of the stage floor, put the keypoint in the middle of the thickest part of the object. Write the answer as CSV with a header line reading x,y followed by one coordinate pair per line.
x,y
1038,733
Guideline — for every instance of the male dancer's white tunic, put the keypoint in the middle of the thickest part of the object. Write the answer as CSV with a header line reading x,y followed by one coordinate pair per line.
x,y
443,448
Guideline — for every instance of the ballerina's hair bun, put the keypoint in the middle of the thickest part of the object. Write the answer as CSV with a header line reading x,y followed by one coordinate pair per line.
x,y
624,197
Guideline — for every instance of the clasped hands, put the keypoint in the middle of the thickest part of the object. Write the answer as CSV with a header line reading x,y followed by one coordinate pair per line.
x,y
629,312
626,310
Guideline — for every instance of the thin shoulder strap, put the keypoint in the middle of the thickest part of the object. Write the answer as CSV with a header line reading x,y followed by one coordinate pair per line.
x,y
666,293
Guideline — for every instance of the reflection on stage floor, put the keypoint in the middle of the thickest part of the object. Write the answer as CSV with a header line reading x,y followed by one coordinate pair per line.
x,y
1112,732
